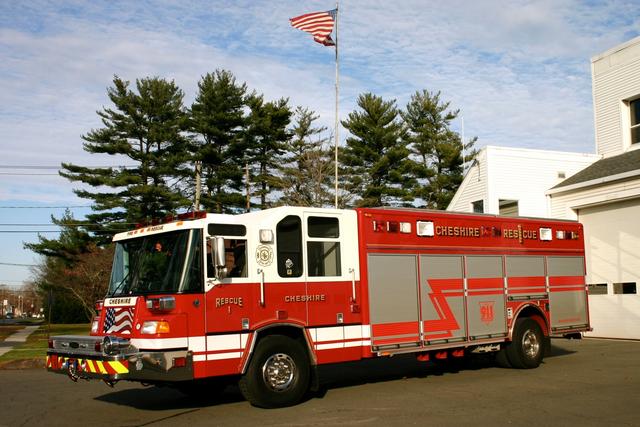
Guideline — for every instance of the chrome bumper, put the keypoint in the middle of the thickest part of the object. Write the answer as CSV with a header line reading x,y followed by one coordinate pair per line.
x,y
77,357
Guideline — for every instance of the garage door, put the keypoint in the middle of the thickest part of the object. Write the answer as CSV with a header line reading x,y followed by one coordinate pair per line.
x,y
612,239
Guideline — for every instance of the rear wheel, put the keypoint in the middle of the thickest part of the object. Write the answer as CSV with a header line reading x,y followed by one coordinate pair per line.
x,y
278,374
527,346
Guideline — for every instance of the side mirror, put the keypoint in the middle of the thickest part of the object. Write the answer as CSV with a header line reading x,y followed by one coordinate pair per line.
x,y
219,258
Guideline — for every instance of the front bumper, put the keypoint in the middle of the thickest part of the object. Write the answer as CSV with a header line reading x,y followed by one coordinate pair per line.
x,y
76,356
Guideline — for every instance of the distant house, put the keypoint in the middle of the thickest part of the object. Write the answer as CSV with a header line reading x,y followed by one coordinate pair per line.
x,y
513,181
600,190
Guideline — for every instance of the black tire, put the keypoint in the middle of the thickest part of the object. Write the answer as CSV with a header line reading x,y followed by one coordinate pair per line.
x,y
526,349
278,374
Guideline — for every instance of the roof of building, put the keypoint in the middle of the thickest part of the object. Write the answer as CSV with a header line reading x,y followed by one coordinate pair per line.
x,y
609,166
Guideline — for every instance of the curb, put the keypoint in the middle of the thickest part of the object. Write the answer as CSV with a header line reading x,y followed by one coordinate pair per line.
x,y
21,364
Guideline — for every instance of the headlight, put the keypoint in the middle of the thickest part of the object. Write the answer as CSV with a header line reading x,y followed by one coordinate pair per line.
x,y
152,327
94,325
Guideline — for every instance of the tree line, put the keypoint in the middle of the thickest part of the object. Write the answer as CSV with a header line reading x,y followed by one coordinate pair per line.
x,y
252,153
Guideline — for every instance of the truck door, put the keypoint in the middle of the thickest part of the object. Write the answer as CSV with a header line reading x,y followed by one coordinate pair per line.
x,y
393,301
191,297
567,293
329,278
486,297
442,297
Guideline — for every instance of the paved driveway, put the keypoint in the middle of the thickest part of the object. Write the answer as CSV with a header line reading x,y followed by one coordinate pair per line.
x,y
583,383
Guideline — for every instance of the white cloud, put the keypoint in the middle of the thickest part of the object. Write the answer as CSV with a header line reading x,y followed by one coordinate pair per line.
x,y
518,70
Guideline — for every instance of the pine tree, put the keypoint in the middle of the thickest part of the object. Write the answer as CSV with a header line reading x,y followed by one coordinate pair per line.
x,y
265,140
436,150
375,157
217,117
72,241
145,128
307,173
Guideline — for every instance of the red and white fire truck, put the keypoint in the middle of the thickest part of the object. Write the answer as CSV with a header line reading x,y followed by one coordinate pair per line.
x,y
265,297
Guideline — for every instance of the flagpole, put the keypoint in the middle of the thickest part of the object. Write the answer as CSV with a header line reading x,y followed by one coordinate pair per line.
x,y
337,139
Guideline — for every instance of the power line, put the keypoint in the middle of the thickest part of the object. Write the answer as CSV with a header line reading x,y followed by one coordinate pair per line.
x,y
50,224
17,265
45,207
42,167
29,231
28,174
28,167
58,167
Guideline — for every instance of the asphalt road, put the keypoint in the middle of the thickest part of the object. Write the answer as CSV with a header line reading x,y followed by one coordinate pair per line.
x,y
588,382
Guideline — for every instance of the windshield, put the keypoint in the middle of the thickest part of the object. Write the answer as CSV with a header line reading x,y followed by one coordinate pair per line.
x,y
156,264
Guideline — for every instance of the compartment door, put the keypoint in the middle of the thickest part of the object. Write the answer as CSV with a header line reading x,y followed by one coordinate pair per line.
x,y
567,293
486,297
393,301
442,295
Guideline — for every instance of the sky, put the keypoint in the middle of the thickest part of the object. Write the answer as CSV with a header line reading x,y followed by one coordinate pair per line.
x,y
519,71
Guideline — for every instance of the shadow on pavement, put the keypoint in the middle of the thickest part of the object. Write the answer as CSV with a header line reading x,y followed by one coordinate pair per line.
x,y
166,398
332,376
558,351
395,368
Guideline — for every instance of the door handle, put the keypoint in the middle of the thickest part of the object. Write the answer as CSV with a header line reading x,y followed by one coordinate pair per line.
x,y
353,284
261,273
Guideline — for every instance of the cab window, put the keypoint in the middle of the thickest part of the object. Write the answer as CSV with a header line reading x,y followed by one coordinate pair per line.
x,y
235,248
235,251
289,251
323,246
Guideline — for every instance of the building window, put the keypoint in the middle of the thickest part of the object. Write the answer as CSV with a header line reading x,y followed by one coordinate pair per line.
x,y
624,288
478,206
598,289
508,207
634,109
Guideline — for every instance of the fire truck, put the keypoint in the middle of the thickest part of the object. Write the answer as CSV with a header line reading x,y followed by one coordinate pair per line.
x,y
266,297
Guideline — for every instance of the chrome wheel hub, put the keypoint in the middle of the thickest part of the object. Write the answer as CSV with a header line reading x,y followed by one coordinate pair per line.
x,y
530,344
279,372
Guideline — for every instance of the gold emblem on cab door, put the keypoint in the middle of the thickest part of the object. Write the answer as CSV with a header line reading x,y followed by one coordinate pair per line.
x,y
264,255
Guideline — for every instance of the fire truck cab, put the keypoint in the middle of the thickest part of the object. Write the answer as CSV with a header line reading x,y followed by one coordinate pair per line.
x,y
268,296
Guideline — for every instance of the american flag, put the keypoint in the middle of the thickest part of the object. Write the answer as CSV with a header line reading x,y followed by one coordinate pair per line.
x,y
320,24
118,320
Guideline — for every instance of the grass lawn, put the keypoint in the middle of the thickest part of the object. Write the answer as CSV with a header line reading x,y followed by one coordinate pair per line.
x,y
7,330
36,345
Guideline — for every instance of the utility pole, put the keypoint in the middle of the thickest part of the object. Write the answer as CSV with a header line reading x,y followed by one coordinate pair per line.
x,y
196,203
337,123
248,186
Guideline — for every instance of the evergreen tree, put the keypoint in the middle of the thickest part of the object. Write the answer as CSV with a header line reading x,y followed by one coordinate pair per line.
x,y
436,150
307,174
217,117
375,157
145,128
72,242
265,140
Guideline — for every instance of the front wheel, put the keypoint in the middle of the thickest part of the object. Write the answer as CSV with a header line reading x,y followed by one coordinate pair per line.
x,y
527,346
278,374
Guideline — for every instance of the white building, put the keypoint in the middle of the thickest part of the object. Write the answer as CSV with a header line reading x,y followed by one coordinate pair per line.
x,y
603,194
513,181
605,197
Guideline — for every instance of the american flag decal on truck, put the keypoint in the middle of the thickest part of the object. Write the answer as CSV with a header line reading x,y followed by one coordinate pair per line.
x,y
118,320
